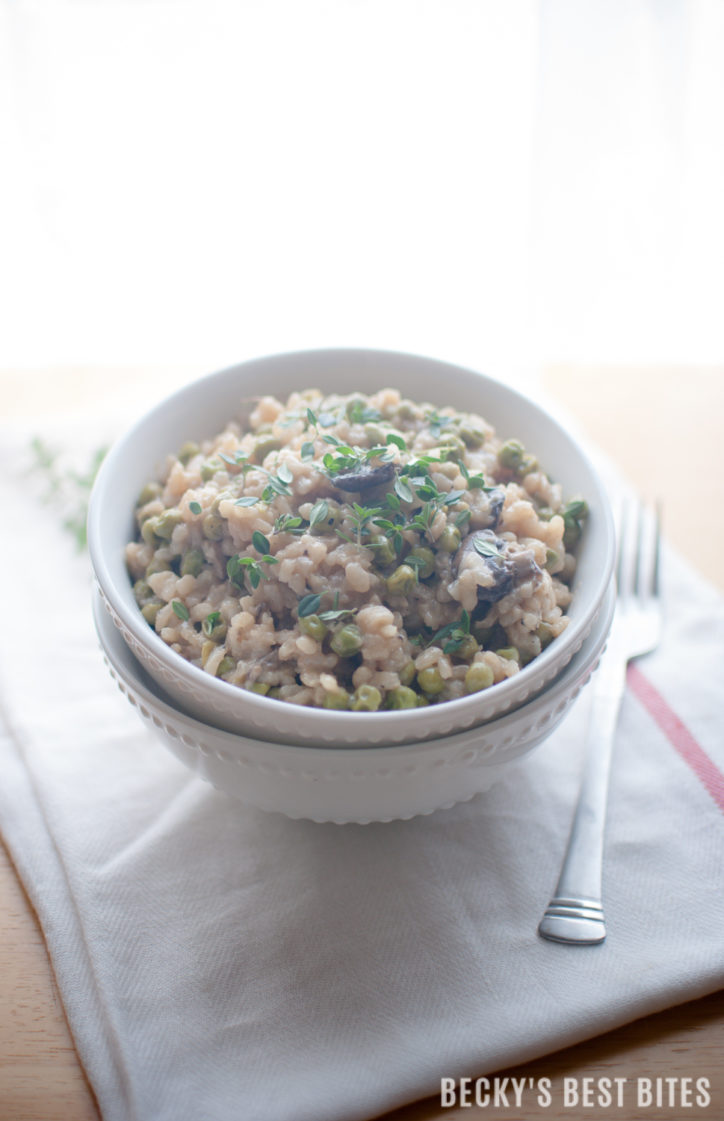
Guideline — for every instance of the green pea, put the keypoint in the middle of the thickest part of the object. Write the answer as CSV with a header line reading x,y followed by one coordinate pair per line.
x,y
142,591
188,451
226,665
260,687
453,447
479,676
148,532
192,563
347,641
472,437
401,697
217,632
264,446
427,557
329,523
151,610
366,699
510,653
551,559
144,514
148,493
376,434
511,455
166,523
402,581
384,550
449,540
422,701
313,626
275,692
338,699
213,527
407,673
545,634
467,649
157,565
209,469
430,681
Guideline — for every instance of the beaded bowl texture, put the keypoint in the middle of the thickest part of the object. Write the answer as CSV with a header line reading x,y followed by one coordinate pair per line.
x,y
341,784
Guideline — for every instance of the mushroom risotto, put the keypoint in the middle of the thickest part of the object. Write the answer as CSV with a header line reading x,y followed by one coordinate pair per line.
x,y
356,552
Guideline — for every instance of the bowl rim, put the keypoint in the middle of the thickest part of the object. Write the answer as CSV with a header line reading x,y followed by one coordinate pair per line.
x,y
260,707
577,671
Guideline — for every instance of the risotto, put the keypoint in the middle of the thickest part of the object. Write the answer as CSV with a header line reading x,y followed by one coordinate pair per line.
x,y
356,552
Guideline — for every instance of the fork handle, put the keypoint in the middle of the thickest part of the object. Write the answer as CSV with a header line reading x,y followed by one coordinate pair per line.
x,y
575,913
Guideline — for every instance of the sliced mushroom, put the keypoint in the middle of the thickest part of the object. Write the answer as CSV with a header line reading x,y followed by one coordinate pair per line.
x,y
496,500
365,477
269,661
505,569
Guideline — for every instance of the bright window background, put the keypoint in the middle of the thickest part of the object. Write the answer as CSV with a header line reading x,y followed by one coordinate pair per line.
x,y
502,183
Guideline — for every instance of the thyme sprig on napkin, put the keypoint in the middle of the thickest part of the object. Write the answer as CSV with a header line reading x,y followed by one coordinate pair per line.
x,y
66,487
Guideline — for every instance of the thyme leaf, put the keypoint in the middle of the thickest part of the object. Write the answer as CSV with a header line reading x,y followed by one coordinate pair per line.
x,y
486,548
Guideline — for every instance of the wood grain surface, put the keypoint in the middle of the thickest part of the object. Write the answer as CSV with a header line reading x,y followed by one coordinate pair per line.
x,y
661,426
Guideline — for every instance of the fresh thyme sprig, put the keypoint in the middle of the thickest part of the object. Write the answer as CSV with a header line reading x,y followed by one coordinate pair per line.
x,y
456,632
67,489
239,568
310,604
278,484
361,517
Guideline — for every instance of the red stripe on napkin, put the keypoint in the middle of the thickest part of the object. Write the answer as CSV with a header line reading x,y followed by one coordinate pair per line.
x,y
679,735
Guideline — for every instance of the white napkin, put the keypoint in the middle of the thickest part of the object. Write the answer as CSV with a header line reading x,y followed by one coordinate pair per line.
x,y
216,962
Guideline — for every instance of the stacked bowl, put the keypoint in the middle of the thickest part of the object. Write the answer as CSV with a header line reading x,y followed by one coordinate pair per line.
x,y
326,764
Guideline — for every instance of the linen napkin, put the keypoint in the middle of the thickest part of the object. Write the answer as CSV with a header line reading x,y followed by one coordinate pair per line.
x,y
217,962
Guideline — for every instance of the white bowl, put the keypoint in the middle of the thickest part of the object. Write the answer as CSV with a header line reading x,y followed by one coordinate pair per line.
x,y
203,407
353,784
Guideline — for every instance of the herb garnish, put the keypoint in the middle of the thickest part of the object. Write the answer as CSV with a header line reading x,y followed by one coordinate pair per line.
x,y
238,567
437,422
211,620
359,413
66,488
180,609
310,604
260,542
486,548
289,523
360,516
456,632
348,459
319,512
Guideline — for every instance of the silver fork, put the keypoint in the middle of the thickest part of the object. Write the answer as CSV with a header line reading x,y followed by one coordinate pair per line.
x,y
575,913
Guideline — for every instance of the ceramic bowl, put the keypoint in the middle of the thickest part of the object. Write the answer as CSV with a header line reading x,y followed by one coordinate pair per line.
x,y
352,784
202,408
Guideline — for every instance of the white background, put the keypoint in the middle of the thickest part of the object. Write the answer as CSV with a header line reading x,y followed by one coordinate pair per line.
x,y
502,183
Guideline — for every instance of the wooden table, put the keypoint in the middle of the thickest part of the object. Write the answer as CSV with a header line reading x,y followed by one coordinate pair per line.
x,y
646,420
